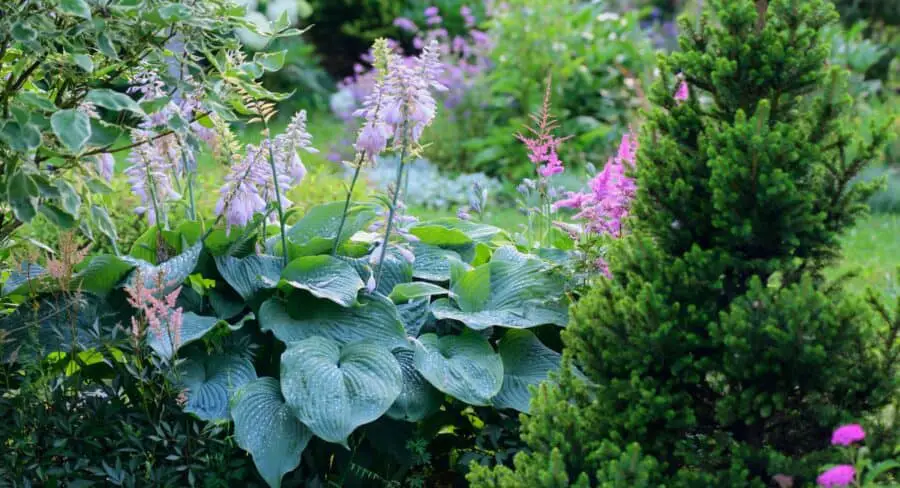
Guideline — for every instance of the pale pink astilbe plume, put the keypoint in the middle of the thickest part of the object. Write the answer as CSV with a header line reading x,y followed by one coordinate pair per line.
x,y
607,204
542,145
841,475
683,92
847,434
162,317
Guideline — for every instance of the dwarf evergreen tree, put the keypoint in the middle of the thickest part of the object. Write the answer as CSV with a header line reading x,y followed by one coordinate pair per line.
x,y
719,355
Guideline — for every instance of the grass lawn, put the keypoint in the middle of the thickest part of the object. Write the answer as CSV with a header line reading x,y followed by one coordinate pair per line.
x,y
872,249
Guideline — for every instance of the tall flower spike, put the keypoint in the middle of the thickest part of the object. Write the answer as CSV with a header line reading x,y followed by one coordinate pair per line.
x,y
149,178
375,133
543,145
409,102
294,138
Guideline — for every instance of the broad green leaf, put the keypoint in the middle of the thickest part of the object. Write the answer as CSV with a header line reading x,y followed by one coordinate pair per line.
x,y
211,380
22,193
68,196
36,100
477,232
23,32
526,363
334,389
104,222
251,274
433,263
84,62
113,100
78,8
464,366
316,232
373,320
227,304
20,137
440,236
48,324
414,315
396,270
102,274
512,290
72,127
170,274
265,427
404,292
24,278
418,399
270,61
57,215
325,277
168,339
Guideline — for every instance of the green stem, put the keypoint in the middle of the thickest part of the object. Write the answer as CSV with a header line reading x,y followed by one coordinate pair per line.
x,y
190,179
152,188
337,239
393,209
284,248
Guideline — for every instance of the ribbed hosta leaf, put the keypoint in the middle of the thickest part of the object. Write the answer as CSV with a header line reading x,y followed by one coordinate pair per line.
x,y
317,231
171,274
168,339
418,399
396,270
334,389
404,292
433,263
265,427
25,278
374,320
526,362
250,275
464,366
48,324
211,380
512,290
325,277
414,315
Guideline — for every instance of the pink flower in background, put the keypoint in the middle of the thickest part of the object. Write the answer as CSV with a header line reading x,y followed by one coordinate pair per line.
x,y
841,475
543,145
847,434
432,11
683,92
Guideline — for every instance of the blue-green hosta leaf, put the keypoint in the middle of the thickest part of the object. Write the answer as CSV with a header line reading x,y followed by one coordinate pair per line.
x,y
512,290
316,232
374,319
464,366
225,302
49,324
211,381
404,292
72,127
26,277
414,315
418,399
265,427
433,263
171,274
334,389
395,270
251,274
102,274
526,362
168,339
325,277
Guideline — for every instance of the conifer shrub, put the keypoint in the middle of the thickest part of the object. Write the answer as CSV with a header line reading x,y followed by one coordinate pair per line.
x,y
717,354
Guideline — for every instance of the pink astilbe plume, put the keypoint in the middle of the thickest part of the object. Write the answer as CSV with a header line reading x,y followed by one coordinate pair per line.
x,y
162,317
607,204
683,92
543,146
847,434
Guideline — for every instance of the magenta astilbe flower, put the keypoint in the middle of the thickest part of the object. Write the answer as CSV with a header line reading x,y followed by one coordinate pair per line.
x,y
847,434
105,165
683,92
543,145
841,475
608,202
149,177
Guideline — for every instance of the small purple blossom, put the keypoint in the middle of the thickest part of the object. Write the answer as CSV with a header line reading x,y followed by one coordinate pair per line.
x,y
147,83
105,165
467,16
847,434
432,11
408,100
406,24
841,475
149,177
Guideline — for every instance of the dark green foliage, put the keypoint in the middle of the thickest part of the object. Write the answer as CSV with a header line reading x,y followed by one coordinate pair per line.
x,y
718,355
877,11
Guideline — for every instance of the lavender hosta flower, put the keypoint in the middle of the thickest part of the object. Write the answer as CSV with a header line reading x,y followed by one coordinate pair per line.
x,y
149,177
105,165
242,195
841,475
468,16
432,11
847,435
406,24
146,82
294,138
408,98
